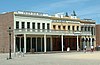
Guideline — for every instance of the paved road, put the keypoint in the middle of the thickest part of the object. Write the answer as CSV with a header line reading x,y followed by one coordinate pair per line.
x,y
71,58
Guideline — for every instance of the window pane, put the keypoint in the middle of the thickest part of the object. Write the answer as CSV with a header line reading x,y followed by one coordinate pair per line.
x,y
73,28
48,26
38,25
17,24
43,25
28,24
33,25
64,27
77,28
54,26
23,25
59,27
68,27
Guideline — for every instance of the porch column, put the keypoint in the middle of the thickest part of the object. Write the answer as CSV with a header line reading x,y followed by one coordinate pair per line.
x,y
93,30
14,44
31,42
41,44
91,42
44,43
77,44
83,28
51,43
87,29
24,43
62,42
36,44
20,44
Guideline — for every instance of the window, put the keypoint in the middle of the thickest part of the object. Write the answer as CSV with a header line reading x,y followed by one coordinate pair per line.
x,y
17,24
33,25
59,27
92,30
73,28
85,28
28,25
54,26
81,28
23,25
48,26
68,27
38,25
88,28
77,28
64,27
43,25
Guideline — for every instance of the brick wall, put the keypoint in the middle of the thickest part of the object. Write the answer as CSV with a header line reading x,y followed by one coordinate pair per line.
x,y
6,20
98,34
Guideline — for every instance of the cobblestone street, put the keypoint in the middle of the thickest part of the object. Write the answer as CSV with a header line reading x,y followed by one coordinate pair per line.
x,y
68,58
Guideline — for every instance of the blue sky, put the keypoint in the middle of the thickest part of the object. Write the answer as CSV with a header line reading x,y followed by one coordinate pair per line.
x,y
84,8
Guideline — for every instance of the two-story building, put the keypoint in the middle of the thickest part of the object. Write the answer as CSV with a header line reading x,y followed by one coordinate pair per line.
x,y
45,33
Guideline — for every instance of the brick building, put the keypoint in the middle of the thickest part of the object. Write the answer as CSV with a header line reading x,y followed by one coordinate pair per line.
x,y
98,34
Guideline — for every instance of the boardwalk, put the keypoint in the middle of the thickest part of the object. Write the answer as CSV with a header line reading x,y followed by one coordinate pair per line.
x,y
70,58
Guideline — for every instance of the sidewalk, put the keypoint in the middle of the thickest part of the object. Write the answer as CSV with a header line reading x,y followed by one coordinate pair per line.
x,y
70,58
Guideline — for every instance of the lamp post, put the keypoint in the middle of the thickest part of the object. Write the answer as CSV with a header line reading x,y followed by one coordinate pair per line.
x,y
10,30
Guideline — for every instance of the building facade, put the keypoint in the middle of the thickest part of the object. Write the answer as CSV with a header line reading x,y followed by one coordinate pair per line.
x,y
97,35
44,33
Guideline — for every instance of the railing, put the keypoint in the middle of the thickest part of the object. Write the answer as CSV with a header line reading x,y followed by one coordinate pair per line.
x,y
49,31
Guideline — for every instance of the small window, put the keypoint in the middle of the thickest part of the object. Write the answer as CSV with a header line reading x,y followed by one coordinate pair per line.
x,y
88,28
81,28
73,27
17,24
23,25
64,27
59,27
68,27
28,25
43,25
85,28
38,25
48,26
33,25
54,26
77,28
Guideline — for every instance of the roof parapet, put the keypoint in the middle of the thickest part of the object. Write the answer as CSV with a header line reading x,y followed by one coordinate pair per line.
x,y
30,13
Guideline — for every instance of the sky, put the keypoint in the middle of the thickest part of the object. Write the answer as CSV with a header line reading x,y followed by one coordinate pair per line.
x,y
89,9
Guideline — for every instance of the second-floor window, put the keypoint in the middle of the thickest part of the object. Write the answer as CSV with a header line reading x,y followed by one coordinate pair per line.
x,y
69,28
38,25
17,24
43,25
88,28
85,28
48,26
73,28
33,25
59,27
54,26
64,27
77,28
28,25
23,25
81,28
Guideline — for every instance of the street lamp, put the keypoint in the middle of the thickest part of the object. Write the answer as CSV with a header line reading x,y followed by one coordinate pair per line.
x,y
10,30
